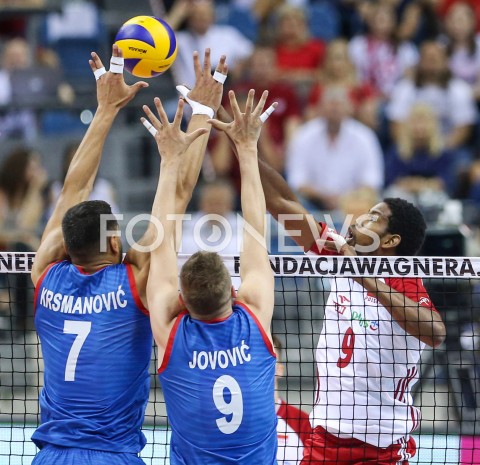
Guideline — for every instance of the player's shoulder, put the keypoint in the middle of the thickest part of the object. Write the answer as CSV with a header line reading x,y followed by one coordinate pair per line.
x,y
412,287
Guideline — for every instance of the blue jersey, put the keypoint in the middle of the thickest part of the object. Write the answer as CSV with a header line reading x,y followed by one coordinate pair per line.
x,y
218,382
96,343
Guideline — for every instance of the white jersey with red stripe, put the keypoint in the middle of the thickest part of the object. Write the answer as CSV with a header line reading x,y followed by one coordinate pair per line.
x,y
367,365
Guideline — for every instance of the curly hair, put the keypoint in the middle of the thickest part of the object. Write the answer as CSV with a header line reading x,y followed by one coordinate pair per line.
x,y
408,222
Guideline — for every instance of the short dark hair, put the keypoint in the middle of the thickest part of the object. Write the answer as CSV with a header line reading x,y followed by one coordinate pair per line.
x,y
408,222
205,282
81,226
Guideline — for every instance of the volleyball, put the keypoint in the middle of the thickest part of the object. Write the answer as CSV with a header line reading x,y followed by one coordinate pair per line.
x,y
149,46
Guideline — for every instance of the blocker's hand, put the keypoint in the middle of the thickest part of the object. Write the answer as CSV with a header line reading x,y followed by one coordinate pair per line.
x,y
208,90
112,91
245,129
172,142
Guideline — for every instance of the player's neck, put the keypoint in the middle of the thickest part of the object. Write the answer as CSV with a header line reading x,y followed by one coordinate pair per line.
x,y
91,266
220,314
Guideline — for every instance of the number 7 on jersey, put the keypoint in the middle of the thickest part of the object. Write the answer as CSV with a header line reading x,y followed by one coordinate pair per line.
x,y
82,330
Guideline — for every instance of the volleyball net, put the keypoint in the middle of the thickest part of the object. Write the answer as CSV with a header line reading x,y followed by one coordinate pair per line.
x,y
447,393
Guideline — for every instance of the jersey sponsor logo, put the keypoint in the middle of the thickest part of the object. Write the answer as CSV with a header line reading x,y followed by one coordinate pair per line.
x,y
339,306
371,324
83,305
424,301
220,358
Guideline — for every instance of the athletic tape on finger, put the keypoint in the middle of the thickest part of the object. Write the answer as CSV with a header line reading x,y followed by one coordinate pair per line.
x,y
264,116
150,128
197,108
219,77
116,65
98,73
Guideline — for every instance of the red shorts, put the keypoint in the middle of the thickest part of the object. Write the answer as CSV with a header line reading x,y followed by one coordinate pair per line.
x,y
323,448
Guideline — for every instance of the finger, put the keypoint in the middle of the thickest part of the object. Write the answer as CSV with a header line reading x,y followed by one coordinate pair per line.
x,y
219,125
183,90
249,104
196,65
153,119
207,65
261,103
117,51
139,85
161,112
237,114
223,115
149,126
195,134
266,114
221,65
96,61
179,114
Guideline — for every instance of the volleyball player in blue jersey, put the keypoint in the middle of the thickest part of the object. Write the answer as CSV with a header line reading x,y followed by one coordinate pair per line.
x,y
216,359
90,309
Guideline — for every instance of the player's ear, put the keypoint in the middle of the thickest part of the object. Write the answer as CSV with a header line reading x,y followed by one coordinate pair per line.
x,y
115,245
390,241
180,300
233,292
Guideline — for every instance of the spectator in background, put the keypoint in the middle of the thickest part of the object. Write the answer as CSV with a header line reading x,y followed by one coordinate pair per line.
x,y
354,204
450,98
19,123
262,75
102,188
339,70
207,229
380,59
445,5
293,426
18,58
463,45
22,182
202,33
298,55
333,154
420,21
417,162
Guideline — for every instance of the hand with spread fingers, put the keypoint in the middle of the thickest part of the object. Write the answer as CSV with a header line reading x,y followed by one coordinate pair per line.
x,y
172,142
208,88
112,91
245,128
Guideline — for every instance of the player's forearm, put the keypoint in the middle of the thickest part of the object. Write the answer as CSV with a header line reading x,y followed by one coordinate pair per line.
x,y
163,257
86,161
417,320
252,197
192,164
278,194
165,201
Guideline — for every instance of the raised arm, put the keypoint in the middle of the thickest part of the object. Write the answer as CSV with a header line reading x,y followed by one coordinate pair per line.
x,y
112,95
282,203
208,93
162,284
257,288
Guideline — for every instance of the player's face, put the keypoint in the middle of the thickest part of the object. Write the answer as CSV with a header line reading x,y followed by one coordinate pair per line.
x,y
368,231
